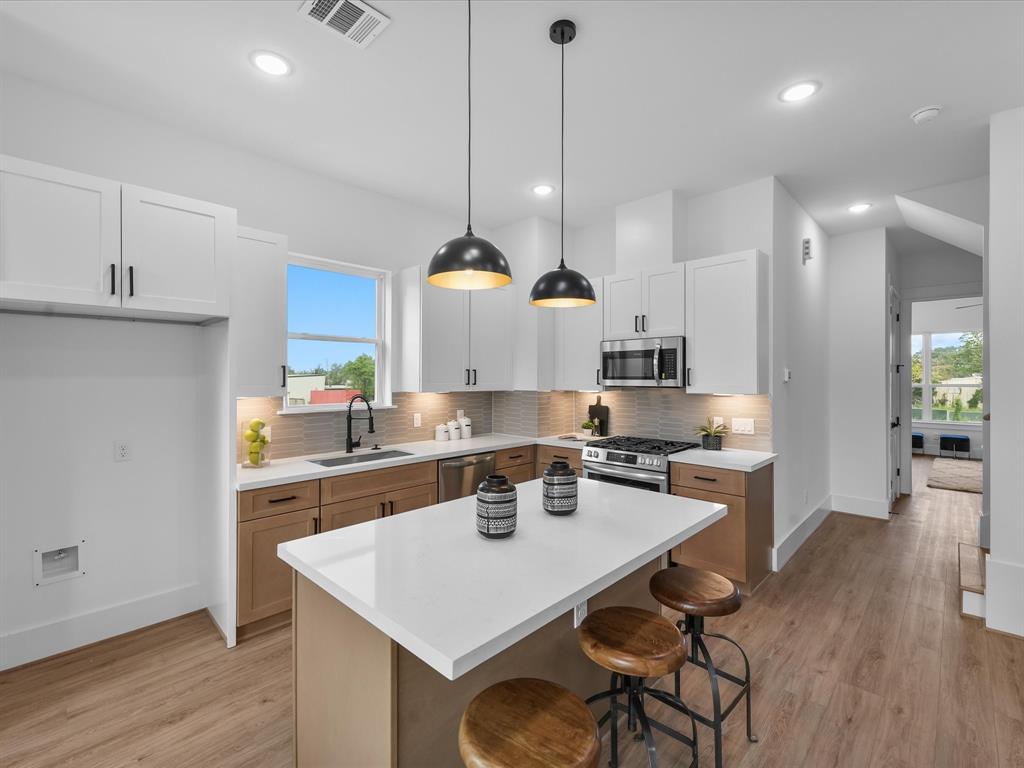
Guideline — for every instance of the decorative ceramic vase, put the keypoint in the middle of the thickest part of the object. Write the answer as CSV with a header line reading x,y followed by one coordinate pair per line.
x,y
560,489
709,443
496,507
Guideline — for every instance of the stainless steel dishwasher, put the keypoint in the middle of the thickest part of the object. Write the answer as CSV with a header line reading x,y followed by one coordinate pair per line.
x,y
460,477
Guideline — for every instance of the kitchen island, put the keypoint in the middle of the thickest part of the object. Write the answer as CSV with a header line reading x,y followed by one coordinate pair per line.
x,y
399,622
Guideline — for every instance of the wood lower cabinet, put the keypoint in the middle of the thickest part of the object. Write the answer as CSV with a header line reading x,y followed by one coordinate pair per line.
x,y
265,581
520,474
344,513
409,499
739,545
547,454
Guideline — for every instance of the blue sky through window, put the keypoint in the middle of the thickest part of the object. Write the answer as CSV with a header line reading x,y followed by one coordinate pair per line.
x,y
331,304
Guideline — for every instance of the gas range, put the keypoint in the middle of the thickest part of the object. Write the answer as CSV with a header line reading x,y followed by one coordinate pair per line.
x,y
638,461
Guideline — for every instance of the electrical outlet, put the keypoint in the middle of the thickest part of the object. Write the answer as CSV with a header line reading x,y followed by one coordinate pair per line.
x,y
122,451
417,420
579,614
717,421
743,426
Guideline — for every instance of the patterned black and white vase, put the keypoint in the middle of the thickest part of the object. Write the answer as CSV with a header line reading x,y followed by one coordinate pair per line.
x,y
560,489
496,507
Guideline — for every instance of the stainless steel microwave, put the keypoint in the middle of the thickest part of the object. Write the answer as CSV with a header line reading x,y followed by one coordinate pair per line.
x,y
652,362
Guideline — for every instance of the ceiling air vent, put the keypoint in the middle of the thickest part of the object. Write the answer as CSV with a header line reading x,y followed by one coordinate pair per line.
x,y
354,20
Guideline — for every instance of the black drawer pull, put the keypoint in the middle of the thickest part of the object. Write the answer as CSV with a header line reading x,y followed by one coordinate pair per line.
x,y
278,501
556,456
706,479
517,456
284,376
113,274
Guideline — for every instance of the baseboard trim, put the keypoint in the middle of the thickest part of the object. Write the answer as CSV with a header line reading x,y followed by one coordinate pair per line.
x,y
855,505
44,640
972,604
800,533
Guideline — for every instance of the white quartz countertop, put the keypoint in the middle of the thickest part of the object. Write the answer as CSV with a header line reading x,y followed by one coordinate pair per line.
x,y
727,458
454,599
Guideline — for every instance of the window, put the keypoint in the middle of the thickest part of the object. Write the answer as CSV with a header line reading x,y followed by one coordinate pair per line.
x,y
337,334
946,376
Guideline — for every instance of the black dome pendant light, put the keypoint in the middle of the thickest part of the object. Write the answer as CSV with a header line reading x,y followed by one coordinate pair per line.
x,y
469,263
562,287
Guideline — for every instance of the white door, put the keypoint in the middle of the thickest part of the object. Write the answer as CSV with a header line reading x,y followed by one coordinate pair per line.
x,y
578,336
60,235
722,351
623,305
259,313
895,428
445,340
176,252
663,302
491,319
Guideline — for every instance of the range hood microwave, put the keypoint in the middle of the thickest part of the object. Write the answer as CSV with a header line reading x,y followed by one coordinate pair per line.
x,y
651,362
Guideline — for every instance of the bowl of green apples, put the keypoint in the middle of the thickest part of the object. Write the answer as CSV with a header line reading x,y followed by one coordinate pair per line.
x,y
256,439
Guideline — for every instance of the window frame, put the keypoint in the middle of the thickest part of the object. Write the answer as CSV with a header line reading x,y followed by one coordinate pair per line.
x,y
927,386
382,343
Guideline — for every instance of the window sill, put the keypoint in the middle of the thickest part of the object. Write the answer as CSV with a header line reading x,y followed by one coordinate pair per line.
x,y
969,425
296,410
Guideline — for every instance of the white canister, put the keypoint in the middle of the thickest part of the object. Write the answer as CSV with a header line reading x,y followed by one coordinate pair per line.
x,y
466,427
453,430
441,433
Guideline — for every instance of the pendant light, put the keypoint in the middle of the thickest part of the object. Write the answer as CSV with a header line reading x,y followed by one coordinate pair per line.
x,y
469,262
562,287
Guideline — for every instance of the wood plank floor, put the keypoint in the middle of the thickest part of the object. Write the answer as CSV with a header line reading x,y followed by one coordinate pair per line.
x,y
859,653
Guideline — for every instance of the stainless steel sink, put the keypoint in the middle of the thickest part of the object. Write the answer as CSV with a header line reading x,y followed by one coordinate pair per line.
x,y
359,458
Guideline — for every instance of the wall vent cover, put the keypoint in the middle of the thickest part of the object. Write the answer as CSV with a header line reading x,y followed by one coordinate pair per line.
x,y
354,20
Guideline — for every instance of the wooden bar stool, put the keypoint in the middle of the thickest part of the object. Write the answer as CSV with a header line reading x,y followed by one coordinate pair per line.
x,y
698,594
528,723
634,644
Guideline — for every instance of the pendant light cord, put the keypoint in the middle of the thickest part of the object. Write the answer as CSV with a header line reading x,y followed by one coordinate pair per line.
x,y
469,116
561,264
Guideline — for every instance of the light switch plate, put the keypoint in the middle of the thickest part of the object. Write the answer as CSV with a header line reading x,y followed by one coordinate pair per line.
x,y
417,420
743,426
579,614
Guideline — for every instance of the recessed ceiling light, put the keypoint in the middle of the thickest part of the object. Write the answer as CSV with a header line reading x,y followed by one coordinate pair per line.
x,y
926,114
543,190
800,91
859,207
270,63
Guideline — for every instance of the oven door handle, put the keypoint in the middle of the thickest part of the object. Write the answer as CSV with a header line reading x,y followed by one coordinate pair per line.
x,y
626,474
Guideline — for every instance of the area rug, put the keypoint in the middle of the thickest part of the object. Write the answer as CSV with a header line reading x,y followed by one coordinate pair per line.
x,y
955,475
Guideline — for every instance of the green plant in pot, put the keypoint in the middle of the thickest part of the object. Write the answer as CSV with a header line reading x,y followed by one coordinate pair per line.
x,y
589,426
711,435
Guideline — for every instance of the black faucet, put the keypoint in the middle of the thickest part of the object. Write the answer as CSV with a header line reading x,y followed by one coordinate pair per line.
x,y
349,442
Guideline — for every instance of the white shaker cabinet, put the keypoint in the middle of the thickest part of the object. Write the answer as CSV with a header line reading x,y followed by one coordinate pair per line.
x,y
176,252
578,339
727,324
491,338
60,236
645,304
444,338
259,313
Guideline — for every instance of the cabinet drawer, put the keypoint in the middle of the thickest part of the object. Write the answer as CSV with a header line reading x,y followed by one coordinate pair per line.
x,y
408,499
722,546
278,499
511,457
546,454
361,484
345,513
519,474
264,580
729,481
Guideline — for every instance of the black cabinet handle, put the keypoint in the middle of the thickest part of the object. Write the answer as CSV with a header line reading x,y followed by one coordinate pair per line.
x,y
467,377
636,323
688,377
643,323
474,377
517,456
556,456
597,377
391,507
131,281
706,479
113,280
284,498
284,375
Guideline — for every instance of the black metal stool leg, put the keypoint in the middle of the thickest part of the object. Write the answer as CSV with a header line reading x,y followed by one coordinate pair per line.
x,y
645,726
716,698
746,679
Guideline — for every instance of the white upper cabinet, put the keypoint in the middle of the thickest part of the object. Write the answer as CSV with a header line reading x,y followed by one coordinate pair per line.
x,y
176,252
60,235
578,339
727,324
259,313
491,318
648,303
444,339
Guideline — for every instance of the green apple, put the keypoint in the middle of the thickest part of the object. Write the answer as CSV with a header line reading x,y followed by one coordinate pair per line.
x,y
257,424
250,436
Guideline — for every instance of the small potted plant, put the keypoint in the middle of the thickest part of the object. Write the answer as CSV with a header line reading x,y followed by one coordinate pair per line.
x,y
711,435
589,426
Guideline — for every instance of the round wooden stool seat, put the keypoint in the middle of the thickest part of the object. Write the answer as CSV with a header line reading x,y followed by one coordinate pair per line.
x,y
632,641
695,592
528,723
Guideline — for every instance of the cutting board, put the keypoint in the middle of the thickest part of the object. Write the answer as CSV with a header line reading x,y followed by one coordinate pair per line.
x,y
598,411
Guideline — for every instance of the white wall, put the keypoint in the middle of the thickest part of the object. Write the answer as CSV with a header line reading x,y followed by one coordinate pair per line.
x,y
731,220
800,408
593,251
321,217
938,272
857,373
1004,592
942,315
68,389
650,232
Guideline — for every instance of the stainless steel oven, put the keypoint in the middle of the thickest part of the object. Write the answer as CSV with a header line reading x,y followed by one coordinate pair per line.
x,y
653,362
634,478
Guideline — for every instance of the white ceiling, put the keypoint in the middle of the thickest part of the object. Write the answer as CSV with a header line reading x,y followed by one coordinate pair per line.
x,y
660,94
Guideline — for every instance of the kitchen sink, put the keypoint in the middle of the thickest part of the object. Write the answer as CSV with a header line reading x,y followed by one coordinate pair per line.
x,y
359,458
